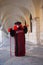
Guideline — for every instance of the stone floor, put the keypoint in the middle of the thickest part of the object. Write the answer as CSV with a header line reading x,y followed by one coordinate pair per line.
x,y
26,60
34,55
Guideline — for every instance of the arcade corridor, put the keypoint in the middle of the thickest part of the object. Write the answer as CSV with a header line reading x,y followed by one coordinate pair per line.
x,y
31,12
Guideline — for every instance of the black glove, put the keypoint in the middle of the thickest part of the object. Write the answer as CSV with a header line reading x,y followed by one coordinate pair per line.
x,y
25,29
12,33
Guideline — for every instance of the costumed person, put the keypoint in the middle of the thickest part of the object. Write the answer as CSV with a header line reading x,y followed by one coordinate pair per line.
x,y
18,32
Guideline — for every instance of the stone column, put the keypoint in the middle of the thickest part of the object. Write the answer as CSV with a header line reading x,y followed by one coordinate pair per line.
x,y
38,30
32,35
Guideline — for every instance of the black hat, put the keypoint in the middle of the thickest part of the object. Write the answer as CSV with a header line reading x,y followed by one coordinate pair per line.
x,y
17,23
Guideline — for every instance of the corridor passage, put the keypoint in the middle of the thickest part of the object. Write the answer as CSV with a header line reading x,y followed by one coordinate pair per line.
x,y
21,24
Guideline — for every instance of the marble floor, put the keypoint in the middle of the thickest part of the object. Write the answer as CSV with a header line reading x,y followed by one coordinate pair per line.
x,y
26,60
33,56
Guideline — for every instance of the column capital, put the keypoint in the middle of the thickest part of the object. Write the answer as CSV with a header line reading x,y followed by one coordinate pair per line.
x,y
37,19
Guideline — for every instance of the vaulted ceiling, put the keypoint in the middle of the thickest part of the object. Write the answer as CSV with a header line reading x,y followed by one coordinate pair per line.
x,y
17,10
37,4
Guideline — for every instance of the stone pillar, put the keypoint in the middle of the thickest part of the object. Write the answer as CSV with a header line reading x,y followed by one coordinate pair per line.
x,y
41,25
32,35
38,30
